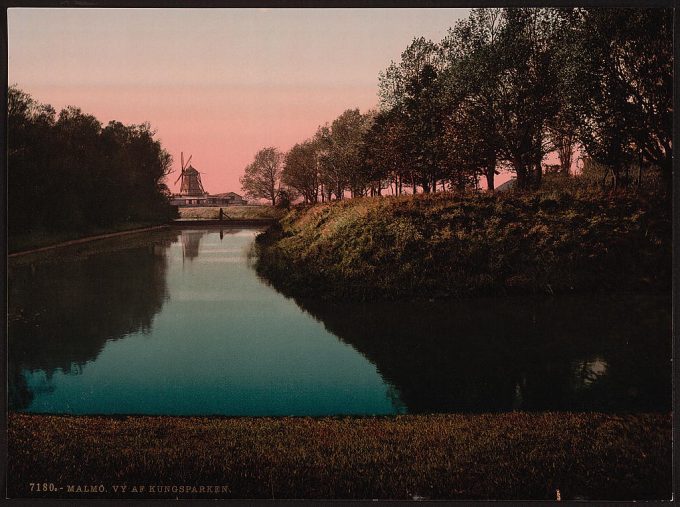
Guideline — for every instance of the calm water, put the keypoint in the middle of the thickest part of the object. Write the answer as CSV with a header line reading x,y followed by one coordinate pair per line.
x,y
177,322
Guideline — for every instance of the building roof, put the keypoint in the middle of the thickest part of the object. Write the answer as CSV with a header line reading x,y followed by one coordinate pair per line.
x,y
228,194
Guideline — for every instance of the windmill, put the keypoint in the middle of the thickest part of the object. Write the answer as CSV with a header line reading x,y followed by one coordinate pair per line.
x,y
191,179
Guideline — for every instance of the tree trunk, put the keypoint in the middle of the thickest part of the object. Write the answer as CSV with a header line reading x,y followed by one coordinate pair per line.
x,y
565,153
522,174
538,175
491,174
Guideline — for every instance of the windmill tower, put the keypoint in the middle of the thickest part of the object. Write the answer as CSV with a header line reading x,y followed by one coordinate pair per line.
x,y
191,180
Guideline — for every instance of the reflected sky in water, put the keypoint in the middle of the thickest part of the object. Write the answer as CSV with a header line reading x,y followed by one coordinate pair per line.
x,y
177,322
216,341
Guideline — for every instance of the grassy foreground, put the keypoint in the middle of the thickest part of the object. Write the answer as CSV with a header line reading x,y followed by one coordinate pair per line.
x,y
448,245
502,456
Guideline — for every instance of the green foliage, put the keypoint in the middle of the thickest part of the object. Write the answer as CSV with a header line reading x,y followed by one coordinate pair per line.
x,y
559,240
69,174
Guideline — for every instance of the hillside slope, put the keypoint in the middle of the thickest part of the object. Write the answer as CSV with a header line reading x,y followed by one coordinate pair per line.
x,y
445,245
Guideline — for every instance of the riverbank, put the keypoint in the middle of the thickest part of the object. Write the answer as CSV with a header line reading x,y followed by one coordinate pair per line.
x,y
36,241
448,245
231,212
503,456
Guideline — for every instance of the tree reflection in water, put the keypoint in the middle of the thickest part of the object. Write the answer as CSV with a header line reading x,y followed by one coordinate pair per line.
x,y
561,353
64,306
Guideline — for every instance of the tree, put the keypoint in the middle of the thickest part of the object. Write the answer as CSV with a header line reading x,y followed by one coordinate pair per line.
x,y
261,179
30,141
67,173
411,89
528,89
619,79
472,96
301,170
340,153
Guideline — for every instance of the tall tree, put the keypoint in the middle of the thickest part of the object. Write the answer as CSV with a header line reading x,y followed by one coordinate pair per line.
x,y
473,98
68,173
261,178
620,80
383,156
340,158
411,89
527,87
301,170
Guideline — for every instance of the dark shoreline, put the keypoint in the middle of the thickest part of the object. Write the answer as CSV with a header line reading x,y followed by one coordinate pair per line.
x,y
514,455
87,237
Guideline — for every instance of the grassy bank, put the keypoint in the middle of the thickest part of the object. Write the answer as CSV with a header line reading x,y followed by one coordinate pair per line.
x,y
447,245
234,212
504,456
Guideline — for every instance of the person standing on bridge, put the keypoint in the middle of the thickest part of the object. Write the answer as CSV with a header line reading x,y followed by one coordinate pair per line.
x,y
221,214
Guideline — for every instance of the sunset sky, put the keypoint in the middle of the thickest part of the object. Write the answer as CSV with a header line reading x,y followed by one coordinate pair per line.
x,y
218,84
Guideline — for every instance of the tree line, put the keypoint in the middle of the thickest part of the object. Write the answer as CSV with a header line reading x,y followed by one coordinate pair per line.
x,y
68,172
504,88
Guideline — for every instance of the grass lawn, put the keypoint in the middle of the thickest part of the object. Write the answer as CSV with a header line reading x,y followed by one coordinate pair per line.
x,y
502,456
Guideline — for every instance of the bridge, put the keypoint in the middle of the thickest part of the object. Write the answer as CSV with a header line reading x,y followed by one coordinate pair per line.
x,y
226,222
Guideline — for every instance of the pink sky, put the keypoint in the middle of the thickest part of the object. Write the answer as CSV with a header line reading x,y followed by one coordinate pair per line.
x,y
218,84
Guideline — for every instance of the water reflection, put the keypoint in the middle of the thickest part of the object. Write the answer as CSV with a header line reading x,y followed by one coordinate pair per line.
x,y
567,353
64,309
202,335
209,337
191,241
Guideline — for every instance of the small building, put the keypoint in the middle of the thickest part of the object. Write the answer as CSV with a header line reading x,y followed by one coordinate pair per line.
x,y
229,198
225,199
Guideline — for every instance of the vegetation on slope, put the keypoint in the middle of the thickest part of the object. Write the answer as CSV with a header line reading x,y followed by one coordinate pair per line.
x,y
503,456
443,245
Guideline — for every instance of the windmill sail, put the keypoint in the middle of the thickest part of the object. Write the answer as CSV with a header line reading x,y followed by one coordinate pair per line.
x,y
191,184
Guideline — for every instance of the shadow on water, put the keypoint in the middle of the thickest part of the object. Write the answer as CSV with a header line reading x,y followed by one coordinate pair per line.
x,y
563,353
64,307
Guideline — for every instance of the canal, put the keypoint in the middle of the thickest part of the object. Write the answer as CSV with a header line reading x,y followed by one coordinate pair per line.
x,y
177,322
